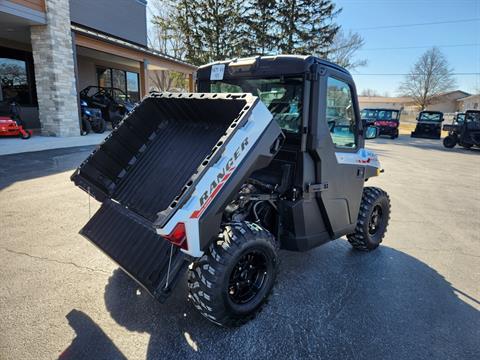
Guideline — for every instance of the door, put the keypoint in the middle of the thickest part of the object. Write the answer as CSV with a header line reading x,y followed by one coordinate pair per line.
x,y
339,144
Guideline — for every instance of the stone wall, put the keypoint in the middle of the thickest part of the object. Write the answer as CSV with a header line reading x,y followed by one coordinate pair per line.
x,y
55,72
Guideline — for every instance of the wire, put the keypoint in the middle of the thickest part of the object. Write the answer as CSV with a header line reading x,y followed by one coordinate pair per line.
x,y
418,47
418,24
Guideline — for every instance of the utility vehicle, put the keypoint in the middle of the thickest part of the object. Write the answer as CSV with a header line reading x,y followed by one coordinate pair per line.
x,y
268,155
387,120
92,119
113,103
429,125
465,132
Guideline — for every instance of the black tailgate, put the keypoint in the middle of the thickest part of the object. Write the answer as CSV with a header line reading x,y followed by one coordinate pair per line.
x,y
131,241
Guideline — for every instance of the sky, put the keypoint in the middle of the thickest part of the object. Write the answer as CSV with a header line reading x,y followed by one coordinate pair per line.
x,y
459,40
457,36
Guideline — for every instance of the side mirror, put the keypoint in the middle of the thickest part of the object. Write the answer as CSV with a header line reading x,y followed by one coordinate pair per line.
x,y
372,132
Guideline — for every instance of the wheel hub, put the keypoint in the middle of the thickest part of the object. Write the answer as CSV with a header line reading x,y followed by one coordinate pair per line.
x,y
375,220
247,277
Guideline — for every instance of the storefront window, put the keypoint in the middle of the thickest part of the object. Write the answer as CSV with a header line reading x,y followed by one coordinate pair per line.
x,y
14,81
126,81
133,86
104,77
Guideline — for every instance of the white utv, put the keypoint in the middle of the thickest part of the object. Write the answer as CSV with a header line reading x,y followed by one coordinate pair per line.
x,y
268,155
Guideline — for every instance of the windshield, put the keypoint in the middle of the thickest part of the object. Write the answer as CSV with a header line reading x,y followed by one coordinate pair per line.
x,y
425,116
460,118
472,116
283,97
387,115
369,114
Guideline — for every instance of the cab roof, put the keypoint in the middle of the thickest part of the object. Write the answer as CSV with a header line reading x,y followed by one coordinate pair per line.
x,y
381,109
264,66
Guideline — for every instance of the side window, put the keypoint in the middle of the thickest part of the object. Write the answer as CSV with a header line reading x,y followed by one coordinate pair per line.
x,y
341,114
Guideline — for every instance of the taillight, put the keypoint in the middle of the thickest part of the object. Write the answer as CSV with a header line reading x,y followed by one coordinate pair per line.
x,y
178,236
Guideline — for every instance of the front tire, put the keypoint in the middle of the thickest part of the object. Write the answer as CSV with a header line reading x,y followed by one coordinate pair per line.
x,y
99,127
372,222
231,282
450,141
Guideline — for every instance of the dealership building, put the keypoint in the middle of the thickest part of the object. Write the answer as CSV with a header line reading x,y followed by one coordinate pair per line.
x,y
52,49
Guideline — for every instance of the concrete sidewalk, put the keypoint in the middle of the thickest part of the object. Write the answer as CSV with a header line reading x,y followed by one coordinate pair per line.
x,y
39,143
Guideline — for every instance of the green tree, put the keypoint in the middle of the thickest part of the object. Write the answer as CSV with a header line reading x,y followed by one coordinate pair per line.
x,y
306,26
259,33
210,28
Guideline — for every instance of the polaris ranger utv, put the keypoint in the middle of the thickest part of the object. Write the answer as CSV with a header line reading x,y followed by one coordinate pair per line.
x,y
212,180
429,125
464,131
387,120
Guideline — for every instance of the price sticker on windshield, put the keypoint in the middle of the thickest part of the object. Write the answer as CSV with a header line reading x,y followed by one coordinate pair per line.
x,y
217,72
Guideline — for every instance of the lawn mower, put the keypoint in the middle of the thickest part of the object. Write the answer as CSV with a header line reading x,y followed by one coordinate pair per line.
x,y
11,124
429,125
465,132
216,182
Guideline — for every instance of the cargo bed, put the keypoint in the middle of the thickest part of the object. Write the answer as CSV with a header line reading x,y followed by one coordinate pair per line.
x,y
176,159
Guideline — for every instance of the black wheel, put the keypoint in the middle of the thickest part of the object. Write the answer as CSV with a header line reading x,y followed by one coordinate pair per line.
x,y
372,220
99,126
450,141
87,127
26,135
230,283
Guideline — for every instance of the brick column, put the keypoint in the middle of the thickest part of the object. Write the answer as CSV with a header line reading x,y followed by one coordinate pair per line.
x,y
55,71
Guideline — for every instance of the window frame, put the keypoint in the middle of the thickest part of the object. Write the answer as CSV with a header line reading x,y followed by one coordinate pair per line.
x,y
27,58
125,72
358,126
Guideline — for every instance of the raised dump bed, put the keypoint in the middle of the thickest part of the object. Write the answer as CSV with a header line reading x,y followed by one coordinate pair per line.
x,y
177,158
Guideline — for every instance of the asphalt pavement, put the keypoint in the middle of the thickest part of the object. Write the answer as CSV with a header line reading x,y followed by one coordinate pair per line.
x,y
416,297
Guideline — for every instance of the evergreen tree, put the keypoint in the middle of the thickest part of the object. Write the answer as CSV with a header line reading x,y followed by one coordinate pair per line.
x,y
210,28
306,26
259,30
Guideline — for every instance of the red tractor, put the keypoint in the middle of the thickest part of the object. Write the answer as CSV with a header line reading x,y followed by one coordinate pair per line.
x,y
10,122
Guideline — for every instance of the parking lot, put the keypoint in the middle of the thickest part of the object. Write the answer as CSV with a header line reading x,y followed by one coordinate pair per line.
x,y
417,296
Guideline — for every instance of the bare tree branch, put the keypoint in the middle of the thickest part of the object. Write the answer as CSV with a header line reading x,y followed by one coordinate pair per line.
x,y
430,76
343,49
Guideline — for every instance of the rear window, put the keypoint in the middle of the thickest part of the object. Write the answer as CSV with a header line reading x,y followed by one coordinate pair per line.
x,y
283,97
430,117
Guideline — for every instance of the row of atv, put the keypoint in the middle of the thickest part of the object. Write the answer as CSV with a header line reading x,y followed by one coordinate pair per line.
x,y
464,130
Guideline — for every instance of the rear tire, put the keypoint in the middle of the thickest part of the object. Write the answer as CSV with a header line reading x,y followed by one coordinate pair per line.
x,y
372,222
450,141
87,127
231,282
99,126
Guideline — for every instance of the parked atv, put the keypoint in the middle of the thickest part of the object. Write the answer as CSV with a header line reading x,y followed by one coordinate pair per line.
x,y
429,125
11,123
91,119
465,132
387,120
113,103
369,116
222,181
